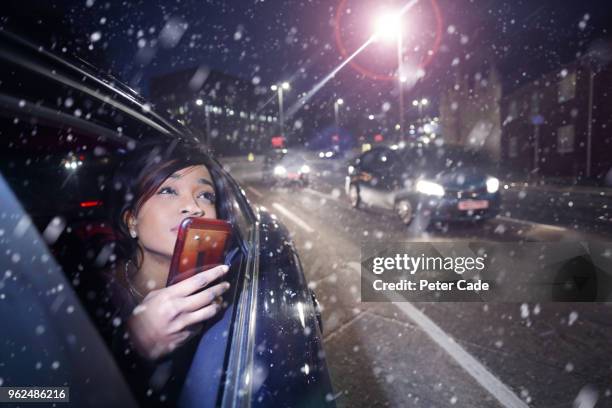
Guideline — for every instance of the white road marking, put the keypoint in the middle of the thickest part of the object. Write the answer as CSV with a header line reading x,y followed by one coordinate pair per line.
x,y
322,195
297,220
254,191
469,363
529,223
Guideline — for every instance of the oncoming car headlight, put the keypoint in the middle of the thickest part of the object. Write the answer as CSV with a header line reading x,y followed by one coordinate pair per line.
x,y
429,188
305,169
280,171
492,184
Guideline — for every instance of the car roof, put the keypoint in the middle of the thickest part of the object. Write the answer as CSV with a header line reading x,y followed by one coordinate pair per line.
x,y
78,73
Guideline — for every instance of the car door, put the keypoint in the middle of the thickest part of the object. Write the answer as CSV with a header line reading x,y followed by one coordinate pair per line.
x,y
47,338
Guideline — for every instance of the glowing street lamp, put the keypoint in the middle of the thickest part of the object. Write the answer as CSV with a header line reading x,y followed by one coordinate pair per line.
x,y
281,114
337,103
388,27
419,104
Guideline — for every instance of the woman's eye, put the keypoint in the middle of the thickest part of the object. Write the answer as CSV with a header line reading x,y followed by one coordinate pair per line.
x,y
208,195
167,190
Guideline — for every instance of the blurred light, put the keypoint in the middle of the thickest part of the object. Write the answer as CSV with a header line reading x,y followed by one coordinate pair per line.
x,y
371,117
425,140
397,127
492,184
87,204
394,147
285,85
379,138
305,169
284,150
251,157
351,169
199,102
403,79
329,154
321,154
429,188
427,128
415,103
401,144
274,87
388,26
280,171
340,101
424,102
365,147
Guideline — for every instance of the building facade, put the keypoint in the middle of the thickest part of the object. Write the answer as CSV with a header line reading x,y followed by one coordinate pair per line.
x,y
229,114
560,125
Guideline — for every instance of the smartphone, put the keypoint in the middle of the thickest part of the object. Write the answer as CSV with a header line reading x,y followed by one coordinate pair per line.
x,y
200,244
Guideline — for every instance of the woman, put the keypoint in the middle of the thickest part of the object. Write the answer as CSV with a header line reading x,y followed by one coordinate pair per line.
x,y
153,190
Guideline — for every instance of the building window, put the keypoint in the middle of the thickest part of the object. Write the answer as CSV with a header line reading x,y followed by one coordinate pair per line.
x,y
513,147
565,139
567,86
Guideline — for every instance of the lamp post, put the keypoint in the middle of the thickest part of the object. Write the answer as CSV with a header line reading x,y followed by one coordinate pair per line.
x,y
281,114
389,26
419,104
337,104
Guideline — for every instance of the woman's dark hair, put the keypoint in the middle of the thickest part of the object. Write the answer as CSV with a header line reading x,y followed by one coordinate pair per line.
x,y
139,174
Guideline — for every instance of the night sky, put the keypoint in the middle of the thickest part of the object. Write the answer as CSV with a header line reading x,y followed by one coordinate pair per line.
x,y
267,41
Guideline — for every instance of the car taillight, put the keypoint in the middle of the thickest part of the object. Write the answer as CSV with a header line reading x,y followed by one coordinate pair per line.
x,y
87,204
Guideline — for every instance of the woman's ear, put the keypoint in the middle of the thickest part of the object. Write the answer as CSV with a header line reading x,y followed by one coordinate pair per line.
x,y
130,221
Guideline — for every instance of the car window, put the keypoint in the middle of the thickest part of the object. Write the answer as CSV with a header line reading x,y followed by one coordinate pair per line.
x,y
384,159
367,160
60,174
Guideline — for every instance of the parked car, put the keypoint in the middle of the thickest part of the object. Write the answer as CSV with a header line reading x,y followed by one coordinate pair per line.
x,y
63,128
283,168
436,183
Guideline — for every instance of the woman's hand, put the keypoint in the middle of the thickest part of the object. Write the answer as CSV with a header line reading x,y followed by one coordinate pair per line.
x,y
166,318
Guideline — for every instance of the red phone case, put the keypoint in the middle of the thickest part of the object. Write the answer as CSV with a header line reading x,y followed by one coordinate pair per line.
x,y
200,244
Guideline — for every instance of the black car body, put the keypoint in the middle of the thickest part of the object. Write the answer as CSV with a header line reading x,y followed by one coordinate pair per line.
x,y
437,183
63,128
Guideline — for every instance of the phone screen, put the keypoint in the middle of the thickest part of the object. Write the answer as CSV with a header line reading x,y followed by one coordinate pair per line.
x,y
200,245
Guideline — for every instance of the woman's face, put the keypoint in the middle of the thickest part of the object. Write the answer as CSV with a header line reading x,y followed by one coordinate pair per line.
x,y
186,193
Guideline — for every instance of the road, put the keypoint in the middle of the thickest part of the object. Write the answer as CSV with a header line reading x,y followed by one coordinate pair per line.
x,y
437,354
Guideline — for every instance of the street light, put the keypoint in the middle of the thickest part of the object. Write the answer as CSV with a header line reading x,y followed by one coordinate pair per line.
x,y
199,102
337,103
420,104
281,114
389,26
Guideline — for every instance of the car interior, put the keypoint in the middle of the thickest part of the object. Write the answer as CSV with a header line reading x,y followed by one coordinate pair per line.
x,y
59,174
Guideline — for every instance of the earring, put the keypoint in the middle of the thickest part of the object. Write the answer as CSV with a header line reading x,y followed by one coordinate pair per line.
x,y
133,233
